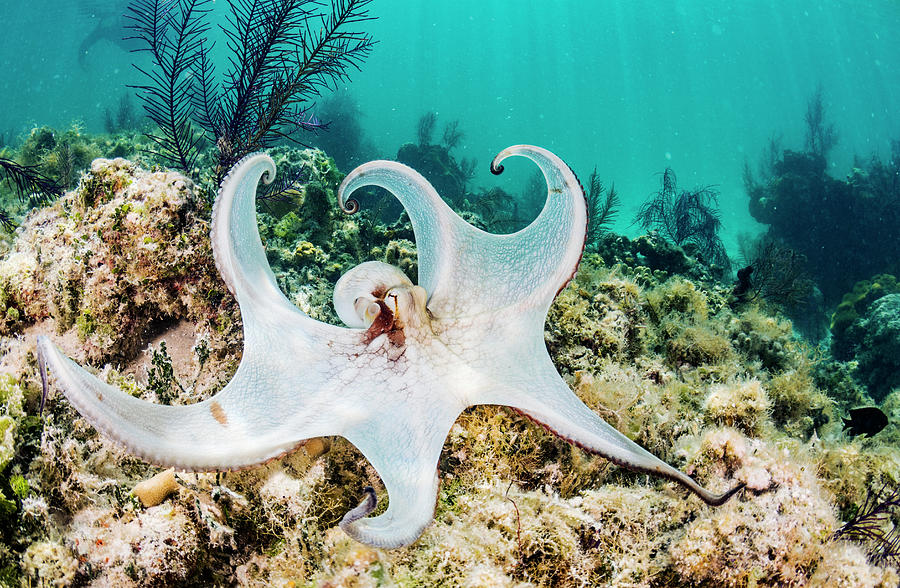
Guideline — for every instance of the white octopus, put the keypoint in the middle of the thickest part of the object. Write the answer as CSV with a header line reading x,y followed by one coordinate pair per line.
x,y
410,360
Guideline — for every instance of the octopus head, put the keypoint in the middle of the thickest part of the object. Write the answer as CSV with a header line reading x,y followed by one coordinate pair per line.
x,y
380,298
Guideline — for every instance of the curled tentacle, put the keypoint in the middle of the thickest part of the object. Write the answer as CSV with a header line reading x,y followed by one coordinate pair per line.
x,y
523,270
351,206
365,508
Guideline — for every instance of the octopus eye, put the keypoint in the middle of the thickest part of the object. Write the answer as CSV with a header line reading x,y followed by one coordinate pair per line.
x,y
367,309
358,292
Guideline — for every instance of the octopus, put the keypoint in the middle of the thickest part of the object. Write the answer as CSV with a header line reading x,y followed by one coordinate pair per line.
x,y
410,359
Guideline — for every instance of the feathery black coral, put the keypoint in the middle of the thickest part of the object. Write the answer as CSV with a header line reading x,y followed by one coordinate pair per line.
x,y
686,216
872,526
173,32
603,204
281,54
32,187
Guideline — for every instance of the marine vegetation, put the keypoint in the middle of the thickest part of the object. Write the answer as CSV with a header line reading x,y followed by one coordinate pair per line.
x,y
686,217
846,320
778,274
59,155
31,186
874,526
394,357
282,53
731,399
449,176
821,136
877,351
848,229
345,141
603,206
123,118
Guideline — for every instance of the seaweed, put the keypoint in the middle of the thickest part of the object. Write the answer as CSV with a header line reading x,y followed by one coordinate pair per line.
x,y
602,205
345,141
452,135
31,186
871,526
449,176
173,32
425,128
821,136
281,54
778,273
686,217
7,138
122,118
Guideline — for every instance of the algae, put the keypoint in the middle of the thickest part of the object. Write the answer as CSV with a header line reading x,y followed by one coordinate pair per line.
x,y
725,393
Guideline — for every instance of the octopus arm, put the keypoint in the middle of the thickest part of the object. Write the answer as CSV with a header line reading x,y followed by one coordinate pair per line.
x,y
405,455
241,259
467,271
226,431
549,402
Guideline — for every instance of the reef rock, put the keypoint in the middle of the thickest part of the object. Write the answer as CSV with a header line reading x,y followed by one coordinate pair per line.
x,y
879,358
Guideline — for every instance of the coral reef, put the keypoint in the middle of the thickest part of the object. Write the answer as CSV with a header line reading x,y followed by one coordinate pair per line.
x,y
845,321
120,254
846,228
686,217
865,331
879,356
48,161
661,354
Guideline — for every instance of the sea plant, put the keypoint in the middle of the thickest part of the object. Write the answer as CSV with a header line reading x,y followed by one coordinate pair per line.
x,y
821,135
686,217
603,206
452,135
872,526
28,183
122,118
345,141
775,272
449,176
282,53
425,128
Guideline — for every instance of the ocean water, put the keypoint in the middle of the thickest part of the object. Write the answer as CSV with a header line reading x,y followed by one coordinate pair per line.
x,y
718,384
629,87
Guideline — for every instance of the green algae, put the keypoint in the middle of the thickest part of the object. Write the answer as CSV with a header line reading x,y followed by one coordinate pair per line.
x,y
11,411
727,394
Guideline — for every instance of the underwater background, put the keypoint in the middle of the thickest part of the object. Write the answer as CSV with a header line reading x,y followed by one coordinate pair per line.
x,y
628,87
736,311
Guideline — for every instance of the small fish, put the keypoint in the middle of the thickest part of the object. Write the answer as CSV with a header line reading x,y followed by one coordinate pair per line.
x,y
868,420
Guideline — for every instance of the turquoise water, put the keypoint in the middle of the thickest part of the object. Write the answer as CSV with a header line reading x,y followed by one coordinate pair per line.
x,y
628,87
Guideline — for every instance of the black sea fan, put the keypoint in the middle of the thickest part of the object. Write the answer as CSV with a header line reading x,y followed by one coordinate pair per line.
x,y
872,526
173,32
686,216
776,272
282,53
602,205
